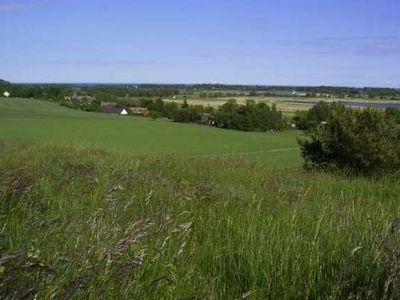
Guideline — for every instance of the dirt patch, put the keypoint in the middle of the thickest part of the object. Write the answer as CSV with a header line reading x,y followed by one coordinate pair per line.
x,y
17,181
21,275
2,144
80,170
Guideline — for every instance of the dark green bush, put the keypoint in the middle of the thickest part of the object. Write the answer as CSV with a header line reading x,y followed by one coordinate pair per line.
x,y
249,117
306,120
189,115
154,115
393,113
359,142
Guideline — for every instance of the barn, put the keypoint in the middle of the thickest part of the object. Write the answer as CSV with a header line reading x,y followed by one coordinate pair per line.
x,y
114,110
143,111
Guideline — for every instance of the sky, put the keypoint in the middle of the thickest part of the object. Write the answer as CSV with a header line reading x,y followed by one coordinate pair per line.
x,y
267,42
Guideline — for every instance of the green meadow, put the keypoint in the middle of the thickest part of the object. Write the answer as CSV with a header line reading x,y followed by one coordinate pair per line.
x,y
104,207
42,121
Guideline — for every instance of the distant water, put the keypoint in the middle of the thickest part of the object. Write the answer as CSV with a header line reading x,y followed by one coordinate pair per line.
x,y
355,103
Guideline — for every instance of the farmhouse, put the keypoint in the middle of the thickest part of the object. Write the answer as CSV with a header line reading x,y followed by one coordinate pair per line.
x,y
115,110
207,118
103,103
143,111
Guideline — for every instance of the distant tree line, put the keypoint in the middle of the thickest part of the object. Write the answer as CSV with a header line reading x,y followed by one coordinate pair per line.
x,y
55,91
334,91
46,92
351,92
111,92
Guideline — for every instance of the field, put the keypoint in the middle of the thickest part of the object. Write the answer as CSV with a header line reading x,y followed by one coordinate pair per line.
x,y
34,120
100,207
288,105
280,103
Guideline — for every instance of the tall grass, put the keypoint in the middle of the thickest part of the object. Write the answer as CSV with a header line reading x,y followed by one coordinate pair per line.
x,y
95,224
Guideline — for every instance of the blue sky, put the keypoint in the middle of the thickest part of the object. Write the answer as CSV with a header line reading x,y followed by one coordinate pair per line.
x,y
283,42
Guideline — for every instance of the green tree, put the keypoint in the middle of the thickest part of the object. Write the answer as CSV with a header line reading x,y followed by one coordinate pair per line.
x,y
313,117
185,104
360,142
169,109
249,117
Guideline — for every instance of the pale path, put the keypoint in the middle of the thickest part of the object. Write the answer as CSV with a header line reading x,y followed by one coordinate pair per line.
x,y
244,153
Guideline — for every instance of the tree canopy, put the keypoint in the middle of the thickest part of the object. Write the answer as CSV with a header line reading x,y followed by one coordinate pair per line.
x,y
356,141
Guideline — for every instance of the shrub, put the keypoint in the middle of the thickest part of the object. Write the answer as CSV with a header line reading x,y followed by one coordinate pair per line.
x,y
185,104
188,115
359,142
249,117
169,109
306,120
393,113
154,115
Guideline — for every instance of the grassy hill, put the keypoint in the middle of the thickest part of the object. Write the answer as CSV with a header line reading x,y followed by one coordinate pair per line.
x,y
28,109
166,211
34,120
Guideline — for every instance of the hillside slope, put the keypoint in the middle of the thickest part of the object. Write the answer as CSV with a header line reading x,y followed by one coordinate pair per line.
x,y
35,120
20,108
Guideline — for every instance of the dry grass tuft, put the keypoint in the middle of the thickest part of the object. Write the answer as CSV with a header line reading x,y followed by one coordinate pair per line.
x,y
132,235
74,287
85,171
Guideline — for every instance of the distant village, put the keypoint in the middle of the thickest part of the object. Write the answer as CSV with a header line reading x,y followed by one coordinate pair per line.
x,y
115,109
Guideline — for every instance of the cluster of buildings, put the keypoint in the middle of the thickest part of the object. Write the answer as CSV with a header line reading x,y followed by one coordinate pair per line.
x,y
115,109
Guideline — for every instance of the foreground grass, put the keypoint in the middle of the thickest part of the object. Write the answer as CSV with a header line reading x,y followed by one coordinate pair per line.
x,y
93,224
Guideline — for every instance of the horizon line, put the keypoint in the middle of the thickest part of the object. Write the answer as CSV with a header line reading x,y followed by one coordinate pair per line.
x,y
202,83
